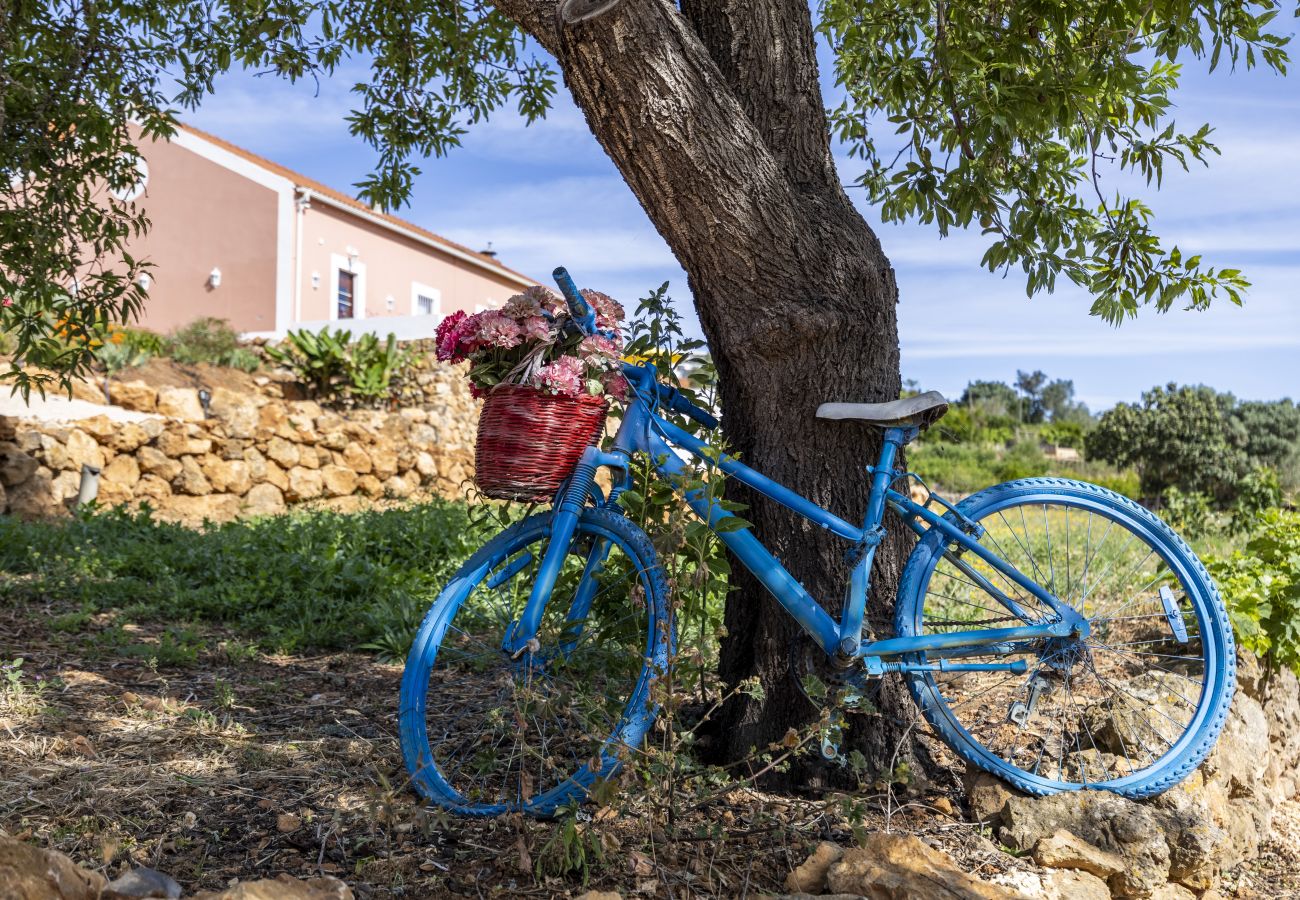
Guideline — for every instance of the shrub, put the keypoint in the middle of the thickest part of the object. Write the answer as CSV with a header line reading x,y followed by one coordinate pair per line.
x,y
210,340
1262,589
335,369
1021,461
1063,434
958,468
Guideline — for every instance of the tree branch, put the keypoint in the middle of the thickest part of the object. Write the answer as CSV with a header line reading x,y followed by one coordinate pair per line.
x,y
766,51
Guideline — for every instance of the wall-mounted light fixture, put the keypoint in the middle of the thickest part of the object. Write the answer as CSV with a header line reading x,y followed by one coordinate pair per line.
x,y
214,278
352,253
144,281
315,281
391,302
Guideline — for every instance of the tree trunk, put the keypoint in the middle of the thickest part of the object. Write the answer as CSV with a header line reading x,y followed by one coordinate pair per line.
x,y
714,117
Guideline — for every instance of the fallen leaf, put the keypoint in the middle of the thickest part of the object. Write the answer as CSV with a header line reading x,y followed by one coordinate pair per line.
x,y
287,822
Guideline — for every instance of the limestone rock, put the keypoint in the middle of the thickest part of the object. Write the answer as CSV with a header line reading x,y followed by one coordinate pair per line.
x,y
356,458
986,794
282,452
177,441
902,867
1070,884
191,479
66,485
1063,850
400,486
30,873
1107,821
142,883
197,510
15,465
371,486
425,464
134,395
304,484
180,403
227,476
154,462
264,500
810,876
82,450
338,481
34,498
152,487
309,458
383,459
237,412
283,887
127,437
123,470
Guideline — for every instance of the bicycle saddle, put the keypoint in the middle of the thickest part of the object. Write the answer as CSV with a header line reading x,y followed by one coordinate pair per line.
x,y
923,410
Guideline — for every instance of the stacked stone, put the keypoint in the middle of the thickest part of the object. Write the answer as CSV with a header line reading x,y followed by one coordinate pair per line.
x,y
248,454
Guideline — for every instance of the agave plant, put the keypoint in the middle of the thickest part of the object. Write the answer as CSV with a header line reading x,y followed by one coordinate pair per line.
x,y
318,359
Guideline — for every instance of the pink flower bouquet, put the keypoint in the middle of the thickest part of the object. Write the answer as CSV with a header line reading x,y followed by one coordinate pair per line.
x,y
526,342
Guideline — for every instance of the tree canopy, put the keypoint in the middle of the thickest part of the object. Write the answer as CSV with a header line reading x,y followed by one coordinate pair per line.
x,y
1006,116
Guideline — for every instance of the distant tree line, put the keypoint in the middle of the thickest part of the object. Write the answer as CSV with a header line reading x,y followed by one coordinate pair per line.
x,y
1181,441
1198,441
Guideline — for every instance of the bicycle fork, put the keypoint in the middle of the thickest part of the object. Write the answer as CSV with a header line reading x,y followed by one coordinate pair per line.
x,y
521,636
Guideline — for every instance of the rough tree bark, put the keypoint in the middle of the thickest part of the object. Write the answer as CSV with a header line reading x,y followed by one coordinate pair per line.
x,y
714,116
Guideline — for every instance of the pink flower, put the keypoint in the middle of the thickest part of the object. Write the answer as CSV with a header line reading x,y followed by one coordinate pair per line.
x,y
609,312
615,385
535,328
533,302
598,345
448,337
8,301
563,377
496,329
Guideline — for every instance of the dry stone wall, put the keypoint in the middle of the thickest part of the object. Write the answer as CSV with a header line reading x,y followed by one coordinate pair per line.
x,y
249,453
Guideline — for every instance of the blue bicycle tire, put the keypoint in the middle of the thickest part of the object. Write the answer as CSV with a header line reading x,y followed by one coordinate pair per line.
x,y
1213,636
639,711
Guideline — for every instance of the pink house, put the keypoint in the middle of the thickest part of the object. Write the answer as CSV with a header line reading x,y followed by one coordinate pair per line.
x,y
239,237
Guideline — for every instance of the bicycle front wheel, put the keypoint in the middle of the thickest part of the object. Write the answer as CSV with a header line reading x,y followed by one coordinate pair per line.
x,y
1132,707
485,732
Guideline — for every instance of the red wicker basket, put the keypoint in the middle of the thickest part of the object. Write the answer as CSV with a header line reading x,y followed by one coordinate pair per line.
x,y
529,441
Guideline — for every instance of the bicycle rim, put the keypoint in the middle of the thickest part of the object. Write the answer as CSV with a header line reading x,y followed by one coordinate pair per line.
x,y
1130,706
486,732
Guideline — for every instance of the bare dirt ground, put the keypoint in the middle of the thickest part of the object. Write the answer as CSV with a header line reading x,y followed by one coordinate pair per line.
x,y
230,765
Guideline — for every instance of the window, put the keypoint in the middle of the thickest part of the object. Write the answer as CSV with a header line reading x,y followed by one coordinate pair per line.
x,y
347,289
346,284
425,300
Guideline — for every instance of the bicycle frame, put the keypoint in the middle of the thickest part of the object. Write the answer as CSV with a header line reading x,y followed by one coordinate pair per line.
x,y
644,431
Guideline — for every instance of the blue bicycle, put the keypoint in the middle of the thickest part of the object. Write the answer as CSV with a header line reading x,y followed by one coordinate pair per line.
x,y
1053,632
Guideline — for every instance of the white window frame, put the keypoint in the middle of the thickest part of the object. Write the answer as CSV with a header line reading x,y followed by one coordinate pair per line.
x,y
339,262
420,289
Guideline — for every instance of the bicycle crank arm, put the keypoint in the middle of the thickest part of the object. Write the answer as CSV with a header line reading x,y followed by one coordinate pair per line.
x,y
876,666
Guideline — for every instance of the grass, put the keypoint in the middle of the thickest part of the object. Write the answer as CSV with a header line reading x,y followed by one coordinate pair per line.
x,y
310,579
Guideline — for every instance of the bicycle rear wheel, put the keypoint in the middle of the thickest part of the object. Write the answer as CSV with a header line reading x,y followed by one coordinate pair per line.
x,y
1134,706
485,732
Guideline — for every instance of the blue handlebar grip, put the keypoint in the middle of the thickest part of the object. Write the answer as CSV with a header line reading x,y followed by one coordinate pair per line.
x,y
581,310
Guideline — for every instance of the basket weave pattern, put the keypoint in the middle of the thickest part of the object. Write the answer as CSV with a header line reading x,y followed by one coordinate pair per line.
x,y
529,442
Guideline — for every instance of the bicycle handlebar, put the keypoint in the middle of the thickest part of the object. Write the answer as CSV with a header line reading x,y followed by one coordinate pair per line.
x,y
677,402
580,309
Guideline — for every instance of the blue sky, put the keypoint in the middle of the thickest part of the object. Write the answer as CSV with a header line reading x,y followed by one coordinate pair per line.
x,y
546,195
